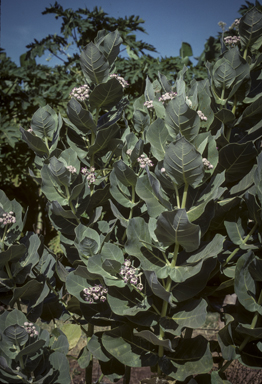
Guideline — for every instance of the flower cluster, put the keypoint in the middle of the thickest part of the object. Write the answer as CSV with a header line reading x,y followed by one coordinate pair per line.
x,y
30,328
144,161
7,218
222,25
231,40
30,130
95,293
131,275
149,104
129,151
207,164
81,93
71,169
202,116
167,96
121,80
90,175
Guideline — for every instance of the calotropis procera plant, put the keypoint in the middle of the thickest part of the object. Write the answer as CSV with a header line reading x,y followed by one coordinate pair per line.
x,y
158,221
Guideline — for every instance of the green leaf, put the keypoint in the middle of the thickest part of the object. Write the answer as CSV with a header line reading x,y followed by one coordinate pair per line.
x,y
236,233
156,287
183,163
250,29
64,221
181,119
30,291
145,192
16,335
192,357
245,286
192,314
106,95
226,342
157,135
174,227
44,122
123,302
35,143
153,339
141,120
94,64
164,83
223,74
195,284
137,235
73,333
12,254
149,90
103,137
59,172
15,317
50,186
110,46
75,285
96,348
80,117
112,252
255,269
61,368
61,343
31,349
128,349
185,50
120,192
237,160
225,116
125,174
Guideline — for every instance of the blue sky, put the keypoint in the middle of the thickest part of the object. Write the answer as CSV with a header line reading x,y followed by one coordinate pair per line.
x,y
167,22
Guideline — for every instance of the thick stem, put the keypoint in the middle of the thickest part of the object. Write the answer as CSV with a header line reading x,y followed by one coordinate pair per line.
x,y
133,197
3,238
165,303
70,203
127,375
177,197
183,205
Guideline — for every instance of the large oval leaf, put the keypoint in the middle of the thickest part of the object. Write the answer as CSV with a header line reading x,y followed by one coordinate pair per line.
x,y
183,163
174,227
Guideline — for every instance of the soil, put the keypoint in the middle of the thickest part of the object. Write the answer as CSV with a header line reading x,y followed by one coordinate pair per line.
x,y
236,374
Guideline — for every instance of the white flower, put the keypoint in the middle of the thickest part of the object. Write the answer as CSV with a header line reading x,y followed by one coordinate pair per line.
x,y
81,93
149,104
121,80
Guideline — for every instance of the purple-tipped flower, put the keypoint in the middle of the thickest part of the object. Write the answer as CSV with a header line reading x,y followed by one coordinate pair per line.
x,y
131,274
81,93
95,294
207,164
89,174
71,169
7,218
30,329
167,96
202,116
149,104
121,80
144,161
231,40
